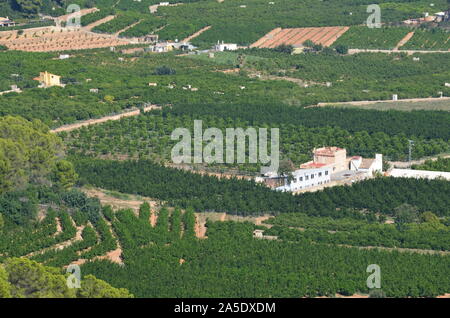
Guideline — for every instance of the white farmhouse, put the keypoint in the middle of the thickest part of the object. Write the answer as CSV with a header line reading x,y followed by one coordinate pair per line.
x,y
225,46
305,178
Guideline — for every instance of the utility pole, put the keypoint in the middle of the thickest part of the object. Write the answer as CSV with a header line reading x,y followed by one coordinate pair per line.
x,y
411,143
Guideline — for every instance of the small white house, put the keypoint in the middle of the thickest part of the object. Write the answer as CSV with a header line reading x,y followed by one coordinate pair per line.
x,y
64,56
258,233
225,46
370,166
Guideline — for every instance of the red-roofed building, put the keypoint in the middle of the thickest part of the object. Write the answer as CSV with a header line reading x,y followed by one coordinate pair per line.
x,y
328,156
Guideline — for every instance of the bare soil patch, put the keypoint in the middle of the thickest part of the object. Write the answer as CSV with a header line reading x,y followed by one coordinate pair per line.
x,y
48,39
134,202
404,40
203,217
296,36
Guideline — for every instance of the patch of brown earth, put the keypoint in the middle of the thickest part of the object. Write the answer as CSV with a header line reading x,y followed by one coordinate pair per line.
x,y
196,34
200,228
114,256
59,228
153,218
116,203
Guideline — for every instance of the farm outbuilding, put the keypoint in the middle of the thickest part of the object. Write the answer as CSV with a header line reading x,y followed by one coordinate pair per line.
x,y
47,79
6,22
220,47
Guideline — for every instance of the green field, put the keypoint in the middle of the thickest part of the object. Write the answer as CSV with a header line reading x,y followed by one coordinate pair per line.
x,y
362,37
434,39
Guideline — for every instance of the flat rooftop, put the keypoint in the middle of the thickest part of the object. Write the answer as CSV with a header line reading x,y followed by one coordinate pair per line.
x,y
346,174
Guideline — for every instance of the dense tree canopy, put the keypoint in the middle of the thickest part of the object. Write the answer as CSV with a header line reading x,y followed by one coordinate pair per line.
x,y
23,278
242,197
29,153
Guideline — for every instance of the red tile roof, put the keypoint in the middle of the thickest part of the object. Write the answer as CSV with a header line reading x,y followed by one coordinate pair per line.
x,y
327,151
313,165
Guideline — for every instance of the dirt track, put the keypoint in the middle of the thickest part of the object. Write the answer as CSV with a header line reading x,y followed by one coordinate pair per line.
x,y
82,12
193,36
89,122
98,22
128,27
404,40
406,164
409,52
366,102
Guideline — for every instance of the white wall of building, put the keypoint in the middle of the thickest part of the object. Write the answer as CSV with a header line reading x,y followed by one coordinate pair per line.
x,y
306,178
378,164
425,174
225,47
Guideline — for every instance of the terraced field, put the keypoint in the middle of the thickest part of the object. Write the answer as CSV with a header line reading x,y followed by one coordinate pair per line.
x,y
325,36
57,39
